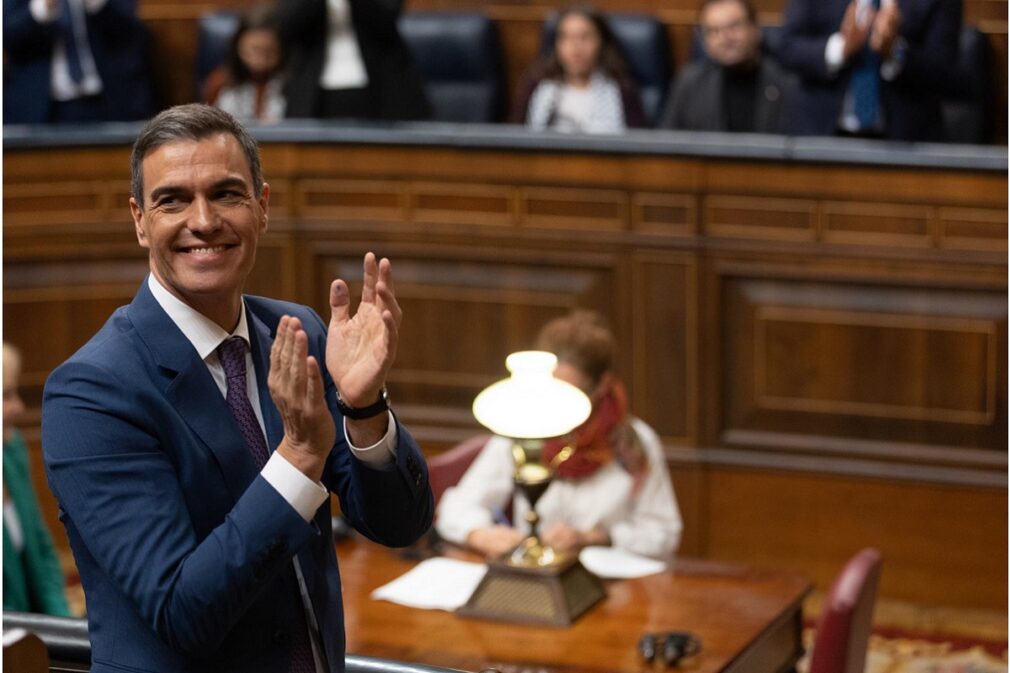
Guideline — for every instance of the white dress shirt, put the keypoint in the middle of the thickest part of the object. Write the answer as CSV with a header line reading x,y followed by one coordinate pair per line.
x,y
301,492
343,67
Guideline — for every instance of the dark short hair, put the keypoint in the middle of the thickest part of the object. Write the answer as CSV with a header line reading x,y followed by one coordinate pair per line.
x,y
194,121
747,5
583,340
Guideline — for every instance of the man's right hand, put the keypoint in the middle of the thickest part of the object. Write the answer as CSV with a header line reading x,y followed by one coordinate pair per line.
x,y
494,541
296,386
855,29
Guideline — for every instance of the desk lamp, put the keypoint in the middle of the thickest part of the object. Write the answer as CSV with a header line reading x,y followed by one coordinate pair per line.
x,y
533,583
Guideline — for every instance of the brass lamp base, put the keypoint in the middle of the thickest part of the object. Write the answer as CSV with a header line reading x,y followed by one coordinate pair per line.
x,y
553,595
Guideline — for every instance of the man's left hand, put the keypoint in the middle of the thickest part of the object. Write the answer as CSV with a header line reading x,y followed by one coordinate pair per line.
x,y
361,349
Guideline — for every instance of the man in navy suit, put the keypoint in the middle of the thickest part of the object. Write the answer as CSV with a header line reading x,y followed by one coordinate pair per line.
x,y
74,61
871,68
193,442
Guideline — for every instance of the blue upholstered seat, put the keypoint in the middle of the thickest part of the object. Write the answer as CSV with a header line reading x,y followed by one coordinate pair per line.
x,y
459,56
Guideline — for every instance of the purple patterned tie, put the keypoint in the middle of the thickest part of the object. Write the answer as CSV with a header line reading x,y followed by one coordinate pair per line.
x,y
232,355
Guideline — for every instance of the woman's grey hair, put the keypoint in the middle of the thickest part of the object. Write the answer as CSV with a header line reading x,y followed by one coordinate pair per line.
x,y
194,121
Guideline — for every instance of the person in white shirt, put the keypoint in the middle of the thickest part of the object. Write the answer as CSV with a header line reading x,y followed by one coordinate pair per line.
x,y
347,60
582,85
74,61
615,489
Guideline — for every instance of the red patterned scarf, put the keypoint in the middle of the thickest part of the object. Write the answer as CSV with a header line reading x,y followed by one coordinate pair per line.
x,y
604,436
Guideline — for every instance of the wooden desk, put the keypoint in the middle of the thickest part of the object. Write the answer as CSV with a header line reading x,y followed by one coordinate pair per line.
x,y
748,620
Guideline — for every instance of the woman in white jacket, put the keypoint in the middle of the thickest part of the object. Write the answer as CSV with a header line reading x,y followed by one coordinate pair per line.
x,y
614,490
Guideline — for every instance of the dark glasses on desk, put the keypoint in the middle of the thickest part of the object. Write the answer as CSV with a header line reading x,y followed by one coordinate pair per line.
x,y
668,647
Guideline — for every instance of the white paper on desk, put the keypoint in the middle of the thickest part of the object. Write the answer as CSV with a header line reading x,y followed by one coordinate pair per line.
x,y
434,584
613,563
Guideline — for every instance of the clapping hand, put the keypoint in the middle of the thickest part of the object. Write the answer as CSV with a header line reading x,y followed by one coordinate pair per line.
x,y
296,387
361,348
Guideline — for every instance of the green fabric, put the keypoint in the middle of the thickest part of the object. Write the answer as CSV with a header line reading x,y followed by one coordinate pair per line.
x,y
33,580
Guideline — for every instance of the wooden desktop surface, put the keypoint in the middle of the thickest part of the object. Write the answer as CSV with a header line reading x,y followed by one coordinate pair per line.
x,y
748,620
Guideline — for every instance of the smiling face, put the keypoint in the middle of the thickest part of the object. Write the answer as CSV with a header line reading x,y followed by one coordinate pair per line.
x,y
201,221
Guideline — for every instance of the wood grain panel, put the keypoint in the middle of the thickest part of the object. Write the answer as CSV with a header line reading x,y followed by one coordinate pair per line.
x,y
665,350
972,228
756,217
26,205
870,363
796,351
669,214
883,223
582,209
369,200
487,205
942,545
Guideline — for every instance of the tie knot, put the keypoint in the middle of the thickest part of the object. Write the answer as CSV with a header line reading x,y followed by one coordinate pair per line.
x,y
232,355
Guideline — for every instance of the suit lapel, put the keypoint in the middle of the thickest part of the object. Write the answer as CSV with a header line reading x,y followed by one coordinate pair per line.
x,y
192,391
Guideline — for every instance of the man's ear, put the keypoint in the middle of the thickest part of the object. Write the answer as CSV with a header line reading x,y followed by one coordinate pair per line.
x,y
264,201
138,223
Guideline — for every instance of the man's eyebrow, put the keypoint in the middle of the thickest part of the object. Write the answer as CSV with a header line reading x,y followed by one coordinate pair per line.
x,y
224,183
159,192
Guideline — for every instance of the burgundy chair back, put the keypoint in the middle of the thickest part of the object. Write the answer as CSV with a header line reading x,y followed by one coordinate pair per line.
x,y
446,469
843,629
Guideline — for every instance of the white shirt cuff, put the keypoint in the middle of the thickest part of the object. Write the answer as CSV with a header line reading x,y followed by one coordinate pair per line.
x,y
94,6
380,453
42,12
301,492
834,53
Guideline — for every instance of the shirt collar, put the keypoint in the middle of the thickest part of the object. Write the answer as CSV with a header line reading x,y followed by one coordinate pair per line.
x,y
205,334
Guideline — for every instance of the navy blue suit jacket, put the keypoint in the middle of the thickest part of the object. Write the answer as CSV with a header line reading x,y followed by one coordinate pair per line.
x,y
118,43
184,550
911,102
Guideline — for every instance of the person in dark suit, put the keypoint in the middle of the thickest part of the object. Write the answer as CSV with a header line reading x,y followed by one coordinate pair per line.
x,y
736,88
872,68
347,59
193,442
33,580
74,61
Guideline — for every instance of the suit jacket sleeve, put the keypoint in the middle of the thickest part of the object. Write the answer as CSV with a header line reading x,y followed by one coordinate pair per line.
x,y
672,117
110,468
931,63
23,35
802,47
392,504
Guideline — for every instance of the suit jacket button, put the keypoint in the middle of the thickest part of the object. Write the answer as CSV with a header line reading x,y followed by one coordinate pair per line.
x,y
280,637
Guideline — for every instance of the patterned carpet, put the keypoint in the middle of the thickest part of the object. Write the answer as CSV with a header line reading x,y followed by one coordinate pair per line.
x,y
914,638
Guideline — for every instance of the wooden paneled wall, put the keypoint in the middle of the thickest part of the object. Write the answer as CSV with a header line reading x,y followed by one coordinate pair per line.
x,y
173,28
822,348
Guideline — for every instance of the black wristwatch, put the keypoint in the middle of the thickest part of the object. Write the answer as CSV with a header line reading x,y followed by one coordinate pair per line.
x,y
361,413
